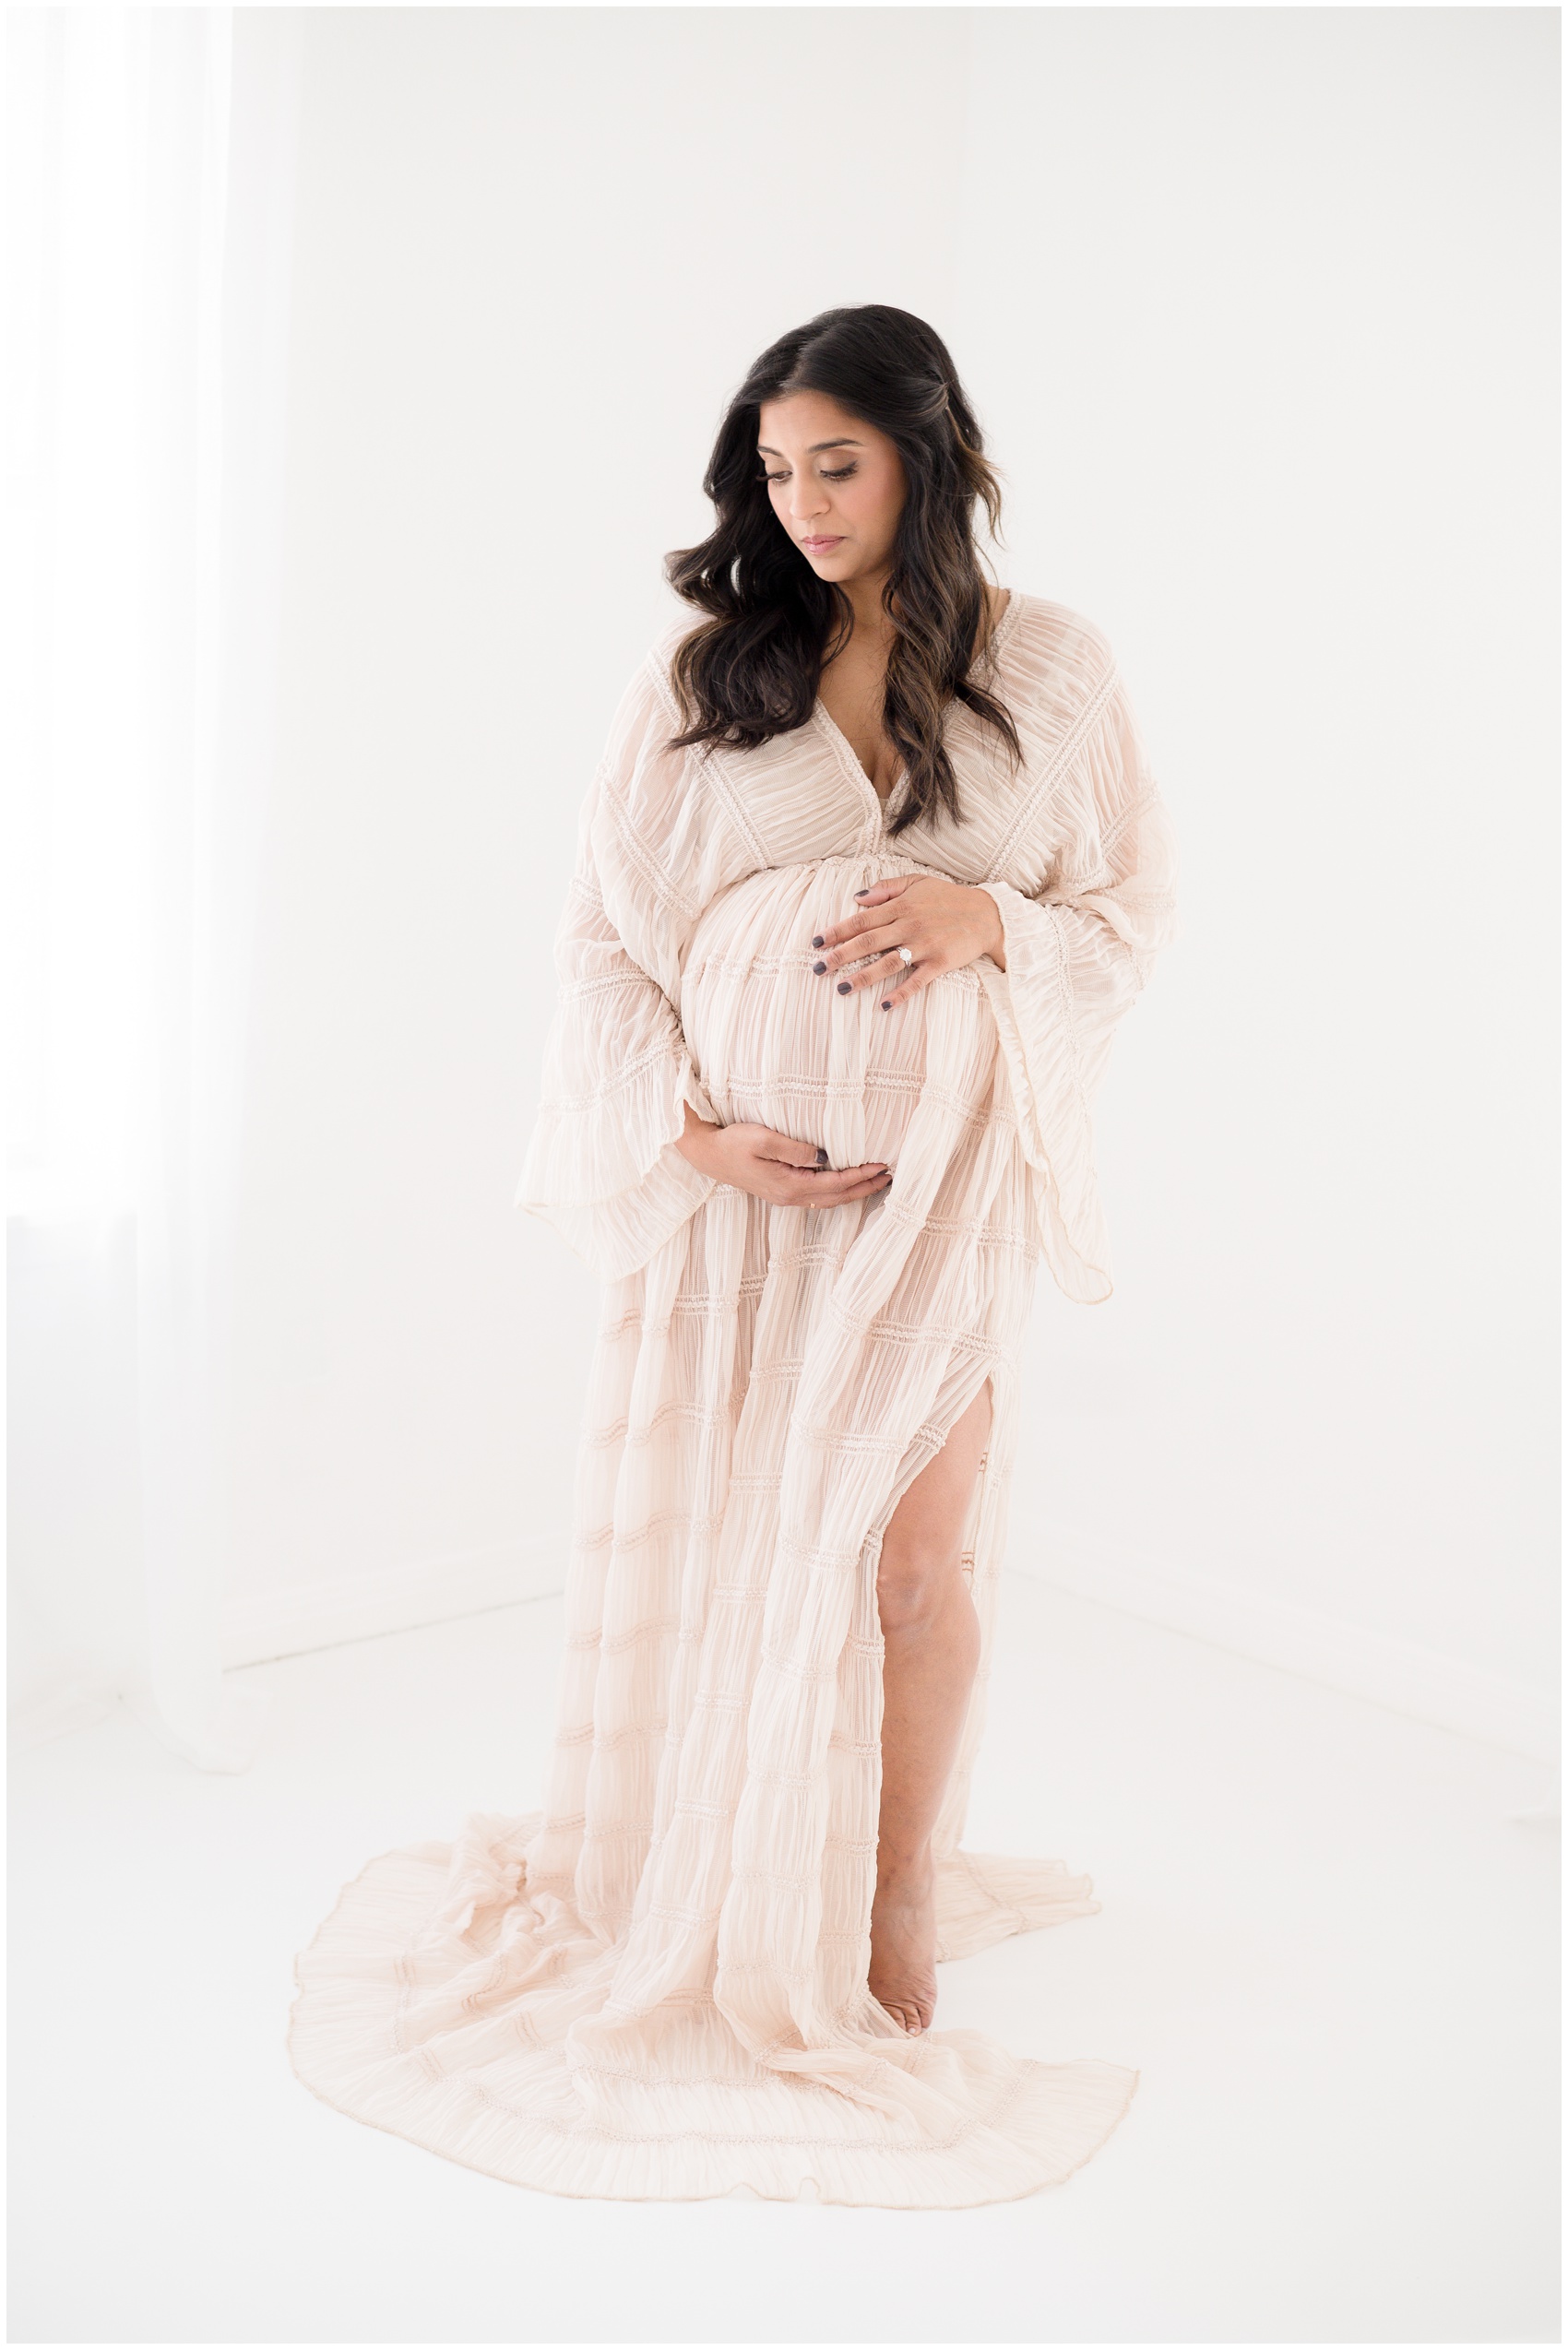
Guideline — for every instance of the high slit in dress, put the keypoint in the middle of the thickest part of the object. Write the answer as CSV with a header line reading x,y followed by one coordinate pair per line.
x,y
657,1986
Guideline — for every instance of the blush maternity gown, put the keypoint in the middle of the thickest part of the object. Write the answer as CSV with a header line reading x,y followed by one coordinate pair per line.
x,y
657,1987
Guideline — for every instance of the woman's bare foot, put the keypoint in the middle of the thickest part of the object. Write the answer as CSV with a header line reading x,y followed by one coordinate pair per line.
x,y
903,1947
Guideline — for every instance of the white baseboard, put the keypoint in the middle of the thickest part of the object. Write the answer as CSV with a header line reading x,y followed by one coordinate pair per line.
x,y
1399,1674
258,1626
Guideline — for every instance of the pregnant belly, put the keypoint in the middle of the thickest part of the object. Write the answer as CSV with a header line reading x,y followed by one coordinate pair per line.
x,y
776,1044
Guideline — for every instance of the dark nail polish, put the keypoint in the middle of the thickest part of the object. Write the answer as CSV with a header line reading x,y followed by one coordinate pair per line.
x,y
816,941
820,1156
887,1004
843,987
860,893
819,967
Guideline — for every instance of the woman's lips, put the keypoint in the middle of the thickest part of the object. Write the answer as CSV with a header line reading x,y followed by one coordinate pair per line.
x,y
822,546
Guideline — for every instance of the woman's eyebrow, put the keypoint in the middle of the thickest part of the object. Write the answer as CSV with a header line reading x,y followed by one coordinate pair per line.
x,y
846,443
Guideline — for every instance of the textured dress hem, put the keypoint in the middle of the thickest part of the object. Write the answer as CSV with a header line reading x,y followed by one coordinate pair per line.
x,y
345,2045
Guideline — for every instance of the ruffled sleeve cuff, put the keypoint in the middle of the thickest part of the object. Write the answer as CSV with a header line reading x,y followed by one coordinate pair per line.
x,y
1032,1001
604,1172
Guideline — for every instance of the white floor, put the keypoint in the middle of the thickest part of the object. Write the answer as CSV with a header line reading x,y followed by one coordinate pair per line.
x,y
1324,1941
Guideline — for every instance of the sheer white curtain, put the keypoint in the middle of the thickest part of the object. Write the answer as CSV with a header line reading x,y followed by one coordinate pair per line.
x,y
149,174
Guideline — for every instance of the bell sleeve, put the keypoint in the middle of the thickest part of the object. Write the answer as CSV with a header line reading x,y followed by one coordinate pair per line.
x,y
601,1167
1080,952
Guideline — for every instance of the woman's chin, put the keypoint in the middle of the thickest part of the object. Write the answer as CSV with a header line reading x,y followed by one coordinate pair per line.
x,y
840,566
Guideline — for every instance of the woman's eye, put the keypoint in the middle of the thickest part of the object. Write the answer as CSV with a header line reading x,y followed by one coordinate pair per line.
x,y
841,473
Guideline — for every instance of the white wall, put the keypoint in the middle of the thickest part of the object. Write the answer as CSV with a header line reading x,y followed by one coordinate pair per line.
x,y
1258,308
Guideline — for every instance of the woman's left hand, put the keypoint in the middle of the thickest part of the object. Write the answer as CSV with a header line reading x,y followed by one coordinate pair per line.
x,y
944,924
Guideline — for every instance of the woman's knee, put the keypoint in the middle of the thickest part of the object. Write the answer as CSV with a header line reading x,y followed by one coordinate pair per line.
x,y
915,1581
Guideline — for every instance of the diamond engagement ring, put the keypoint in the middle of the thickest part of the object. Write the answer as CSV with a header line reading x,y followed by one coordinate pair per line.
x,y
905,955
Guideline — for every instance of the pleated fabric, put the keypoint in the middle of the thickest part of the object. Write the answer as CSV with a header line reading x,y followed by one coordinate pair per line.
x,y
657,1987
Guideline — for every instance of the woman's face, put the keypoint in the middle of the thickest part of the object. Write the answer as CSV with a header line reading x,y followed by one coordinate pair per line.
x,y
836,484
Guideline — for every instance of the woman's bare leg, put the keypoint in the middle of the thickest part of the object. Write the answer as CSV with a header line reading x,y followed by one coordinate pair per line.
x,y
930,1636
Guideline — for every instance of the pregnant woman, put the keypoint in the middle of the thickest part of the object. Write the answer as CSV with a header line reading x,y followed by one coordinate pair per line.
x,y
871,869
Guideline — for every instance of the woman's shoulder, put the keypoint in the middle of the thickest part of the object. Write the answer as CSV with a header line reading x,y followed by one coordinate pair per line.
x,y
671,634
647,703
1047,652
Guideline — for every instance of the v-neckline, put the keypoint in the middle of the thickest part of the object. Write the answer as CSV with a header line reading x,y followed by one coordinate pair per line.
x,y
876,806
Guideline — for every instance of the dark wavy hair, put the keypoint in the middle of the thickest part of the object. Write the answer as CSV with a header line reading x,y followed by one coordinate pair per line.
x,y
753,671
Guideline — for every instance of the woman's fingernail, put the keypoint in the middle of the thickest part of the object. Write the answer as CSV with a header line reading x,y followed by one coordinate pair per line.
x,y
820,1156
816,941
887,1003
819,967
863,892
843,987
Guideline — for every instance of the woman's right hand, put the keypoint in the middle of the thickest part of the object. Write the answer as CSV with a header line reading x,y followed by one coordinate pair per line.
x,y
774,1167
